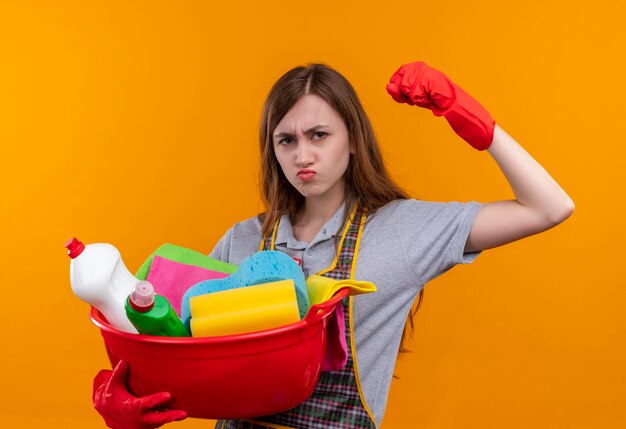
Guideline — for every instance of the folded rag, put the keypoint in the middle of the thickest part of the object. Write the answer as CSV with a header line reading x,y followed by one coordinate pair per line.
x,y
336,354
171,279
265,266
185,256
321,289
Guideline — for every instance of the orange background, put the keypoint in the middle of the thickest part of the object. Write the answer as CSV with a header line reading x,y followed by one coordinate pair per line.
x,y
135,123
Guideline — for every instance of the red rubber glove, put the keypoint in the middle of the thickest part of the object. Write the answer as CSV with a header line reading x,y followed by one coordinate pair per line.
x,y
121,410
419,84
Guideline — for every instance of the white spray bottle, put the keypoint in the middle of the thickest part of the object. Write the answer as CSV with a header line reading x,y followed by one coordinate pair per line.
x,y
99,277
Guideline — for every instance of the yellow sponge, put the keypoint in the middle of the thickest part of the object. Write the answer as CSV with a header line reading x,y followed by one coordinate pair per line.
x,y
244,321
244,309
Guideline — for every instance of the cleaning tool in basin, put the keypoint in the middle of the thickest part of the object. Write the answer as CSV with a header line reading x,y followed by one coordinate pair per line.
x,y
171,279
99,277
185,256
321,288
265,266
244,309
152,314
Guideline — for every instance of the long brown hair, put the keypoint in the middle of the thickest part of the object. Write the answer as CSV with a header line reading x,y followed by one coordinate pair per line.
x,y
366,179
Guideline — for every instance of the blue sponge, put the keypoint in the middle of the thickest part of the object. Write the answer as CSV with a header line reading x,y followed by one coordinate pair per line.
x,y
262,267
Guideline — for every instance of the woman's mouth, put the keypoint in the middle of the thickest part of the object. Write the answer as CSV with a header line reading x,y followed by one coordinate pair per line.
x,y
306,175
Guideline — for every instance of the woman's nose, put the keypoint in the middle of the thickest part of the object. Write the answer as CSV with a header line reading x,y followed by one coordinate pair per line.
x,y
304,154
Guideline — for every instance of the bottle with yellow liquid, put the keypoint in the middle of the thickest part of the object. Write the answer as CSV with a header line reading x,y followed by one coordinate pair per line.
x,y
152,314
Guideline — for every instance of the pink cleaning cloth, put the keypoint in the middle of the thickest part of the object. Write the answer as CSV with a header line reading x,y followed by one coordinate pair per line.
x,y
172,279
336,348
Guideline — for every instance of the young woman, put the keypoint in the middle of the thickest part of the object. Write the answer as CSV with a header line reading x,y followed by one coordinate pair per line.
x,y
331,204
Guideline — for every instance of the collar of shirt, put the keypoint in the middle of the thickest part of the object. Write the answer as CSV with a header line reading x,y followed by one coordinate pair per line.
x,y
284,235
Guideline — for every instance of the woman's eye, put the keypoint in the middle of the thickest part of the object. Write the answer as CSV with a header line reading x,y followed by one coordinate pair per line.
x,y
320,134
286,140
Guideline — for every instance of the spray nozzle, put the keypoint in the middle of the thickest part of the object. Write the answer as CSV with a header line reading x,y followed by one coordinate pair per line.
x,y
142,297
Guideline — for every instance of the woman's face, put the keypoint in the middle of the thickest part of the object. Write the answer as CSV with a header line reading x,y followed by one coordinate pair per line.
x,y
312,146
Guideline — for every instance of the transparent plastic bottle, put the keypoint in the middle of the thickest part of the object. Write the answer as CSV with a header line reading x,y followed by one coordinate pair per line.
x,y
152,314
99,277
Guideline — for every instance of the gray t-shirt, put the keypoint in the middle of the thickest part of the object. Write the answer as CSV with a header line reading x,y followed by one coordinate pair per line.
x,y
403,245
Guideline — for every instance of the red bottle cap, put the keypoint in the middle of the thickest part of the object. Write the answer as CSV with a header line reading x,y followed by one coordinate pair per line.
x,y
74,248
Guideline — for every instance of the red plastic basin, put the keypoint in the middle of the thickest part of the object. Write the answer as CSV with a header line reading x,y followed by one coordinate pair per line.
x,y
226,377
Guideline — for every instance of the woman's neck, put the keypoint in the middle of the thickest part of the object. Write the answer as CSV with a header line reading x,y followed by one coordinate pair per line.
x,y
316,211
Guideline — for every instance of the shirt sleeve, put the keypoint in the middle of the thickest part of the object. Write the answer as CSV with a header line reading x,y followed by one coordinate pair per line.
x,y
435,236
221,250
239,242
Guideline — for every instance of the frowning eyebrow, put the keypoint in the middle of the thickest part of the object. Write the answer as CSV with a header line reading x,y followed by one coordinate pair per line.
x,y
309,131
